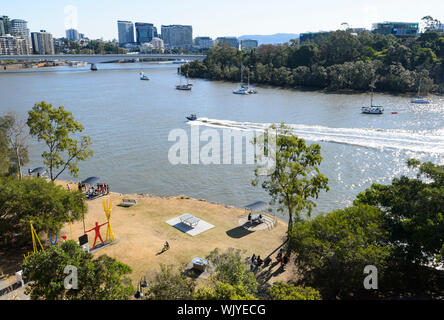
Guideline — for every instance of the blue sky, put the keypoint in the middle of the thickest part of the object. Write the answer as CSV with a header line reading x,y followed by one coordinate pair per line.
x,y
98,18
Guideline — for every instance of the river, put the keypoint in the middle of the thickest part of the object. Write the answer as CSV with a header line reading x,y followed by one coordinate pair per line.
x,y
129,122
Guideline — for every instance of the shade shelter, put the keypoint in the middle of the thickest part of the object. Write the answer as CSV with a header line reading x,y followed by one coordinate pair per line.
x,y
258,206
91,181
37,171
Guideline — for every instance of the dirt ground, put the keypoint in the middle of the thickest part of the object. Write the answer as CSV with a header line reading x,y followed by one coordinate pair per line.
x,y
141,231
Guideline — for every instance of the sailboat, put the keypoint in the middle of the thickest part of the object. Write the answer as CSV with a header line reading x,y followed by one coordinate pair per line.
x,y
372,109
419,99
247,87
184,87
242,90
143,76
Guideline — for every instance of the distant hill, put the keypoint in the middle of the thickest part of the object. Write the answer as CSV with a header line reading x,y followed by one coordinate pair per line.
x,y
272,38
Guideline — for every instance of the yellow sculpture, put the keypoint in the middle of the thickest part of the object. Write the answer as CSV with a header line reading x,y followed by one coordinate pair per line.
x,y
69,215
34,238
107,206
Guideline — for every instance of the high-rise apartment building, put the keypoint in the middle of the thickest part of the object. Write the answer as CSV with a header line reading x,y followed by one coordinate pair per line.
x,y
398,29
19,28
5,25
11,45
126,32
177,36
145,32
249,44
42,42
203,42
230,40
72,34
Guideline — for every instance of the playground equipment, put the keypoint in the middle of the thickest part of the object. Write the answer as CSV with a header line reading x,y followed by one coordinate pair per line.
x,y
107,207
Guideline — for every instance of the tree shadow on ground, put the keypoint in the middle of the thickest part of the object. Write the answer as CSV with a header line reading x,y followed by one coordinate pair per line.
x,y
11,259
238,232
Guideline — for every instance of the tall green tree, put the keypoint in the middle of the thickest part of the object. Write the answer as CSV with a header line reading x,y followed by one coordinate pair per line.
x,y
332,250
231,269
57,128
296,180
4,152
39,201
414,211
171,284
16,134
103,278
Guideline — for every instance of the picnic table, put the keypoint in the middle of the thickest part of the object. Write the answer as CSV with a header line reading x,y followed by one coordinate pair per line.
x,y
190,220
128,203
199,264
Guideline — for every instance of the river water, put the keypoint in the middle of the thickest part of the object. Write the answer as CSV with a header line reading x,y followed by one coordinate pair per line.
x,y
129,122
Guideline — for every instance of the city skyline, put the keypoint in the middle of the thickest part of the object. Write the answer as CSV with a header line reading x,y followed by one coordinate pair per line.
x,y
99,19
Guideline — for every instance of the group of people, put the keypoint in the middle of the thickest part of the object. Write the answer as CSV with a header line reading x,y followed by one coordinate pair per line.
x,y
100,190
256,262
250,218
282,259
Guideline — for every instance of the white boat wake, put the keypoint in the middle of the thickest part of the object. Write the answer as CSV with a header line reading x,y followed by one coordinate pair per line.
x,y
427,141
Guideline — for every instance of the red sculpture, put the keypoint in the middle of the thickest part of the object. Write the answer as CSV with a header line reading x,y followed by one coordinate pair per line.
x,y
97,233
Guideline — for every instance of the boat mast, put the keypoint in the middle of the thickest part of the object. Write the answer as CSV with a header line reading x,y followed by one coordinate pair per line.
x,y
241,79
419,88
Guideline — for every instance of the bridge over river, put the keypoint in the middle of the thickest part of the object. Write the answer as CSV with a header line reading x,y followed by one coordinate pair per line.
x,y
93,59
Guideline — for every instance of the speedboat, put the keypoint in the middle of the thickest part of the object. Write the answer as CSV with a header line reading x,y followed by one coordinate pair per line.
x,y
192,117
373,110
184,87
143,76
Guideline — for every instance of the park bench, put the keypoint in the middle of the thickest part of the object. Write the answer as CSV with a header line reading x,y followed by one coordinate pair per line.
x,y
128,203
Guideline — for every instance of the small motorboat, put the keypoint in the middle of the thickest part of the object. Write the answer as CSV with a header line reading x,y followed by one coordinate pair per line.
x,y
143,76
192,117
420,100
183,87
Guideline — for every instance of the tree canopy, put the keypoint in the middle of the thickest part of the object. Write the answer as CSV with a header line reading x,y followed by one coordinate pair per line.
x,y
13,147
103,278
39,201
414,211
171,284
332,250
57,128
287,291
296,180
339,60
